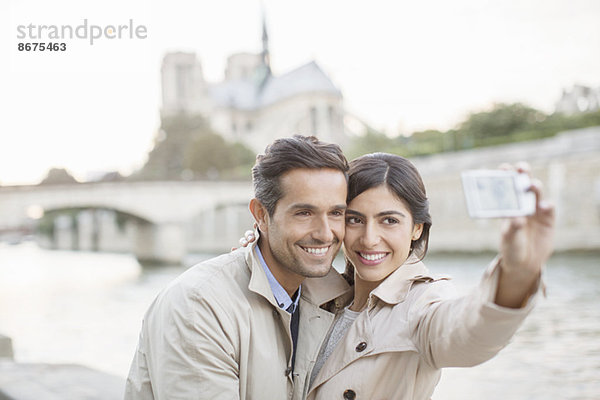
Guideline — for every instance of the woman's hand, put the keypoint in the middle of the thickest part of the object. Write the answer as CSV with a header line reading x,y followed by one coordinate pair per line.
x,y
527,243
248,238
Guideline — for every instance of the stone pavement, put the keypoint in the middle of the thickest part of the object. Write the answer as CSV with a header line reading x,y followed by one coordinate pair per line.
x,y
21,381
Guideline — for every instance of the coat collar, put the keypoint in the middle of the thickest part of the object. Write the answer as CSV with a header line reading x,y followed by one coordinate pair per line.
x,y
259,283
332,286
396,286
317,291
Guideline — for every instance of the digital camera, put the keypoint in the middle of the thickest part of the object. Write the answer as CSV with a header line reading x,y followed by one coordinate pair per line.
x,y
492,193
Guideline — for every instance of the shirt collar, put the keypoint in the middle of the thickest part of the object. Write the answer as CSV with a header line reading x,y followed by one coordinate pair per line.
x,y
282,297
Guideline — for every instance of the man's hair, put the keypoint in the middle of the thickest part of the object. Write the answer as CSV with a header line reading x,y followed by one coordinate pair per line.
x,y
286,154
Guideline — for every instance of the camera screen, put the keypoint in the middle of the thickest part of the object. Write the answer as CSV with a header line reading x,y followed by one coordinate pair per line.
x,y
497,193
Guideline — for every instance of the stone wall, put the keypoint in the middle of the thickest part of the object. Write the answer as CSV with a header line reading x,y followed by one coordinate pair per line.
x,y
568,166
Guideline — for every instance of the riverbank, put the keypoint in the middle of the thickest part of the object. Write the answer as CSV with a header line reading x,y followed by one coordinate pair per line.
x,y
34,381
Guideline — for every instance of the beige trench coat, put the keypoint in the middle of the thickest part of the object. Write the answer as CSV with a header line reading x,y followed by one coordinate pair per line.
x,y
413,326
217,333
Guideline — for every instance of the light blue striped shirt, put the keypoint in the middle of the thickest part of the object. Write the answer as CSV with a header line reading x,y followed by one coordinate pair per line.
x,y
282,297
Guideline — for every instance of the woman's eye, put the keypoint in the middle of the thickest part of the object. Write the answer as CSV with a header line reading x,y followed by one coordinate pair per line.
x,y
390,221
352,220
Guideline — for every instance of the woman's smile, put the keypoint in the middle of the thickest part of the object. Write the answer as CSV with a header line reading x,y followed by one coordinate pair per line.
x,y
379,233
372,258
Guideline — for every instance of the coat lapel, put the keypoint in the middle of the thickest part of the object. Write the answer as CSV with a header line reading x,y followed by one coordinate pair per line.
x,y
349,349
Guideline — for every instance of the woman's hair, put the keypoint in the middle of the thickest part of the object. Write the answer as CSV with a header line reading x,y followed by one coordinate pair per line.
x,y
402,178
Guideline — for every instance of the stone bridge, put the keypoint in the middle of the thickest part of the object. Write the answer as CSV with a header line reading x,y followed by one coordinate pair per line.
x,y
163,221
157,219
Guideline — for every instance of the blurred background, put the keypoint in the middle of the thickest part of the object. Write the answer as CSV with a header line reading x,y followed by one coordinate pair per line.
x,y
125,161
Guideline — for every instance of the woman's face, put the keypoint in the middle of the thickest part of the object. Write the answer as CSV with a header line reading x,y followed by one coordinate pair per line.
x,y
379,231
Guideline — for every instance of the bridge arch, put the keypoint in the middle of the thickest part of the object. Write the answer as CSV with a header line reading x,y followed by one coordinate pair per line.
x,y
98,227
211,230
91,227
158,215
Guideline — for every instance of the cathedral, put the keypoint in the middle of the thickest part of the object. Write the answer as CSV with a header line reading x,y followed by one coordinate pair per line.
x,y
252,105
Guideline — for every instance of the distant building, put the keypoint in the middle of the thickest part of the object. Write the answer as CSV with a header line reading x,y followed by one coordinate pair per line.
x,y
252,105
579,99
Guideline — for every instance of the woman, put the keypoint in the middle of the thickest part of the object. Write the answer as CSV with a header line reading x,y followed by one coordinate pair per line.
x,y
405,324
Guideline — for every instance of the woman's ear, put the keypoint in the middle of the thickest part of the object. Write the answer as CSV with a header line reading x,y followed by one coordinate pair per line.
x,y
260,214
417,231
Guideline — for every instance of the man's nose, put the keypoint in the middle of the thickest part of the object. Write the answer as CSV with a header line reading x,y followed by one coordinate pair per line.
x,y
322,230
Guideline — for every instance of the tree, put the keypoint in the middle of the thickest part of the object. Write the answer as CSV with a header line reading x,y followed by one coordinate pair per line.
x,y
58,176
210,154
490,127
186,147
372,141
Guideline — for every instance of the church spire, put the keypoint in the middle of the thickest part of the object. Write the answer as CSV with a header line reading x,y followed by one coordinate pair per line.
x,y
265,43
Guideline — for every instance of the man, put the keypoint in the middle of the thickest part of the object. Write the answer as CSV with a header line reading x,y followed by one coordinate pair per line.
x,y
228,327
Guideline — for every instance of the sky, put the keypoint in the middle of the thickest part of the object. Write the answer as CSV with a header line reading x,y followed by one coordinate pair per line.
x,y
401,66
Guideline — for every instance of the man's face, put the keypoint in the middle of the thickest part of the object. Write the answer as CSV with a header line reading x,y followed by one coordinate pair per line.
x,y
307,228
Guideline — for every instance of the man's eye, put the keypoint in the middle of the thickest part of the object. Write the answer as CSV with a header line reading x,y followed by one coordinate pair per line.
x,y
337,213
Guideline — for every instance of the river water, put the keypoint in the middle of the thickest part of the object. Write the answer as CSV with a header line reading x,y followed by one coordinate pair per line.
x,y
86,308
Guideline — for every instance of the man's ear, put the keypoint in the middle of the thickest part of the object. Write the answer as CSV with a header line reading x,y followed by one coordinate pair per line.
x,y
260,214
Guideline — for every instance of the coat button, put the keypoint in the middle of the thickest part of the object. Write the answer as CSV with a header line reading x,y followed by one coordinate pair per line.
x,y
349,394
361,346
